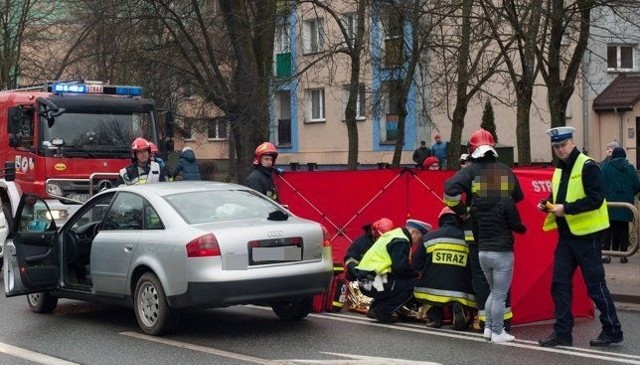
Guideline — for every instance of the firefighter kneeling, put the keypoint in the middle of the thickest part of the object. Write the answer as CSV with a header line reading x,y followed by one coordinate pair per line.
x,y
445,275
385,272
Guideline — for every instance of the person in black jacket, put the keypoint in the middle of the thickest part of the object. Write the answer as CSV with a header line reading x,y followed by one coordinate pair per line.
x,y
495,218
261,178
187,166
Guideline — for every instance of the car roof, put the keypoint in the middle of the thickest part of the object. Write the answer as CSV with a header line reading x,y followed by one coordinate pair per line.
x,y
176,187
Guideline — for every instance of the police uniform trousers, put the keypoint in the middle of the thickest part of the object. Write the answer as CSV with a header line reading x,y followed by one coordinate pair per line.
x,y
586,254
397,291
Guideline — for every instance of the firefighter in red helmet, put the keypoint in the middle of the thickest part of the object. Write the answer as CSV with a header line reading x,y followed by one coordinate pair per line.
x,y
261,178
142,170
473,182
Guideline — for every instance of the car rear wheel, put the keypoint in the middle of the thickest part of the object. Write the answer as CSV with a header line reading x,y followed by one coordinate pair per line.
x,y
292,310
42,302
153,313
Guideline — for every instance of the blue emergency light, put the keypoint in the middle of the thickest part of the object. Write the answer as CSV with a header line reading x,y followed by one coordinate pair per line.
x,y
95,88
60,88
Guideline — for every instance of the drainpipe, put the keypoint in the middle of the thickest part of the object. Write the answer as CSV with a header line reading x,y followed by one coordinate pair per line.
x,y
621,131
585,102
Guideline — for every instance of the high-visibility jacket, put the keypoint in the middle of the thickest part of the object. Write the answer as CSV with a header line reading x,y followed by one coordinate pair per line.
x,y
135,175
443,261
582,223
377,258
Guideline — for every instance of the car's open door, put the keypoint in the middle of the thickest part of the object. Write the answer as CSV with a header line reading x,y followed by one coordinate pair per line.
x,y
32,259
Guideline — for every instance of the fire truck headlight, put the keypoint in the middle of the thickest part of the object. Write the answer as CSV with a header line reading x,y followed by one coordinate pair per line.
x,y
53,189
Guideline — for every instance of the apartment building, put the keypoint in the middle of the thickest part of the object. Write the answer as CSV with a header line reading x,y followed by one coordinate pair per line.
x,y
310,93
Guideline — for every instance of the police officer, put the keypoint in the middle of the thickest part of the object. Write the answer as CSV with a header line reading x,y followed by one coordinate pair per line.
x,y
578,210
142,170
471,181
445,275
385,272
261,177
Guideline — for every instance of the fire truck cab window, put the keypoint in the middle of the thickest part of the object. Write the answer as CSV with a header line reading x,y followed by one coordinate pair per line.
x,y
25,130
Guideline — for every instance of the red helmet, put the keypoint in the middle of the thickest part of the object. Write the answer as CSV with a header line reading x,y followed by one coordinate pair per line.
x,y
154,148
265,148
481,137
381,226
140,144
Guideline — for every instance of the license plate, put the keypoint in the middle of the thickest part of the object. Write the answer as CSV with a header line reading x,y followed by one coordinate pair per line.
x,y
276,254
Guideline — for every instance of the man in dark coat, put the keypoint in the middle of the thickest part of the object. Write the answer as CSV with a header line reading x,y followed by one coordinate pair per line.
x,y
421,153
621,184
187,166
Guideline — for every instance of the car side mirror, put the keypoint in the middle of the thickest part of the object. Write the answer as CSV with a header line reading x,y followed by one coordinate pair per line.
x,y
14,114
278,215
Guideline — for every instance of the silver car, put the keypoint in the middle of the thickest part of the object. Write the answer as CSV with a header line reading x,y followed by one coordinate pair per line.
x,y
161,248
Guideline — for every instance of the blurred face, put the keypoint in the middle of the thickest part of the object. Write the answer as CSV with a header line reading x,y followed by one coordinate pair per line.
x,y
142,156
609,151
266,161
416,236
563,149
434,166
437,139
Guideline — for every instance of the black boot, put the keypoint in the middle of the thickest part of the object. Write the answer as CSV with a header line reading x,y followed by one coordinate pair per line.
x,y
553,340
605,339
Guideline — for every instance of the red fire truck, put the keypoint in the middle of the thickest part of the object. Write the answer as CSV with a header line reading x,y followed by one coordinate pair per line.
x,y
68,140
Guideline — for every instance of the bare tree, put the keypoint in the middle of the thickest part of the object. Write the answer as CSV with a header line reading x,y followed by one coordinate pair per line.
x,y
464,59
515,27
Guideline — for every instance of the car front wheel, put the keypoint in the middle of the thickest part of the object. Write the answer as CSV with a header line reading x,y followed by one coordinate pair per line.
x,y
42,302
153,313
292,310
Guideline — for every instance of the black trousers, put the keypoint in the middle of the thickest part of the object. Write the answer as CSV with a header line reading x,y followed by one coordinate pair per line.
x,y
585,254
616,237
397,291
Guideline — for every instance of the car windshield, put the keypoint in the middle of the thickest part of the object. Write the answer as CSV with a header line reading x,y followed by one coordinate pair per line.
x,y
220,206
94,135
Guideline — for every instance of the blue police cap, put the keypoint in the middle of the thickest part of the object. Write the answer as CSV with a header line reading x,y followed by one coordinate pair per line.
x,y
559,134
421,226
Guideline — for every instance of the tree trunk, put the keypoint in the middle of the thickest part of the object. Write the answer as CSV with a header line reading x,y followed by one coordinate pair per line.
x,y
524,93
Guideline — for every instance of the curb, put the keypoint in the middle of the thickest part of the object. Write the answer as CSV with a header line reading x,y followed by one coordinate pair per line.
x,y
626,298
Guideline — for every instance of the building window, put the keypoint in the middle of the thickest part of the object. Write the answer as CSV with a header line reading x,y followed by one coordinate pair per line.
x,y
313,36
361,105
315,102
217,128
282,39
350,21
187,128
620,57
284,119
391,119
392,36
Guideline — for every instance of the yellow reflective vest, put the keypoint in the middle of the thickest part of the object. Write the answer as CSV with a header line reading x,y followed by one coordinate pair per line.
x,y
377,258
582,223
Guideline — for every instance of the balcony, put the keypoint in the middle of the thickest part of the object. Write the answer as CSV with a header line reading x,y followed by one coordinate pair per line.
x,y
283,65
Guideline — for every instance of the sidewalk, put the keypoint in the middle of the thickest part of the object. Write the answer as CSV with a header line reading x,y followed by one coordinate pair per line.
x,y
623,280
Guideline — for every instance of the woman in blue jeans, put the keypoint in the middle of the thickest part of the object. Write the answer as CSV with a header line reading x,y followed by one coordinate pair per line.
x,y
496,218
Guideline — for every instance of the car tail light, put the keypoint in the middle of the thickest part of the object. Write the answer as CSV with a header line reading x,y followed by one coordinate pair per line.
x,y
202,246
326,238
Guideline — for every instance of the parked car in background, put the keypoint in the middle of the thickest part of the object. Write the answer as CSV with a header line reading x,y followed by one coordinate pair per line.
x,y
162,248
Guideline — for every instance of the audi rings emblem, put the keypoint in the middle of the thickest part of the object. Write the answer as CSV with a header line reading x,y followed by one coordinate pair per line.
x,y
104,184
275,234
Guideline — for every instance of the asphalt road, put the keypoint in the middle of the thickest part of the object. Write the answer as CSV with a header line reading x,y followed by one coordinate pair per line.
x,y
85,333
